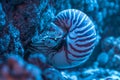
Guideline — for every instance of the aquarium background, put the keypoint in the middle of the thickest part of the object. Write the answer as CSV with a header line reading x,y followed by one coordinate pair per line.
x,y
25,23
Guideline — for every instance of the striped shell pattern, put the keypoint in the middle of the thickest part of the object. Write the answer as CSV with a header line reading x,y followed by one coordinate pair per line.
x,y
80,39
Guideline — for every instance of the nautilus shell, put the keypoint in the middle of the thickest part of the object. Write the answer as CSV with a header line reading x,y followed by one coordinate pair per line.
x,y
68,42
79,36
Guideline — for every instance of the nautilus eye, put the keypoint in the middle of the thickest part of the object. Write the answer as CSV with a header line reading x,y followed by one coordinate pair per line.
x,y
80,39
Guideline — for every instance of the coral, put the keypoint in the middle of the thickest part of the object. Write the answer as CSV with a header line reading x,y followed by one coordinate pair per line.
x,y
29,37
15,68
26,17
111,44
110,54
48,71
116,46
2,17
16,2
107,44
4,43
15,43
91,74
102,61
39,60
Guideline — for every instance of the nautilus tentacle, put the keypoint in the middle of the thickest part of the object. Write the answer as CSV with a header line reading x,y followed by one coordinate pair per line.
x,y
80,39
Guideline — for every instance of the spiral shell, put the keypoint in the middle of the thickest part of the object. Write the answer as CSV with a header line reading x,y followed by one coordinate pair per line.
x,y
80,39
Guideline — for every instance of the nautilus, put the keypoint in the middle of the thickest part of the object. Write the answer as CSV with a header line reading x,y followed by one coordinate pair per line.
x,y
80,39
70,42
